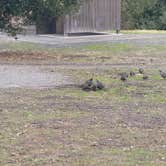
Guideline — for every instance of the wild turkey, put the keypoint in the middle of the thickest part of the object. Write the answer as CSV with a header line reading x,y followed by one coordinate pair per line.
x,y
87,86
145,77
132,73
16,38
124,76
89,82
162,74
99,85
141,70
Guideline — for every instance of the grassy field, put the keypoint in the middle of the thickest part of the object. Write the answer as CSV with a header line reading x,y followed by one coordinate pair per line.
x,y
123,125
143,31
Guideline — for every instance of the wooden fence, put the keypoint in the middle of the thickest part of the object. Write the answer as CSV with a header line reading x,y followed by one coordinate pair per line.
x,y
94,16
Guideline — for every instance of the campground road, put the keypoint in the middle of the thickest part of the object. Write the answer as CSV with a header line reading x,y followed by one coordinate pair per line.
x,y
74,41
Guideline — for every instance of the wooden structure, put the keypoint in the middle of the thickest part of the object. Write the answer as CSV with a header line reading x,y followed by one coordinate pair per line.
x,y
93,16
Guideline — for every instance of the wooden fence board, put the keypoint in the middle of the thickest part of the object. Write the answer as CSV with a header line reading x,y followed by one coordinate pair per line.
x,y
94,16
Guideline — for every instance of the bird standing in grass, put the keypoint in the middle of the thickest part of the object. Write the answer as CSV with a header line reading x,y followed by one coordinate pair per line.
x,y
16,38
145,77
123,77
162,74
87,86
99,85
94,87
89,82
141,70
132,73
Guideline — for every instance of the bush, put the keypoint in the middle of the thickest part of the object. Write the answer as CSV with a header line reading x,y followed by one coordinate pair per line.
x,y
144,14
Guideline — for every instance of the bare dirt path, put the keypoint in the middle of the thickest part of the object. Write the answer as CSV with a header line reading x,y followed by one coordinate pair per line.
x,y
27,76
65,41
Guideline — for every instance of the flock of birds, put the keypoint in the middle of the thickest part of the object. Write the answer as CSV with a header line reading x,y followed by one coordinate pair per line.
x,y
94,85
124,76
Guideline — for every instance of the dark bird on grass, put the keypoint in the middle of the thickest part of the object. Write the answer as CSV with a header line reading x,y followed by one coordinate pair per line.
x,y
16,38
89,82
162,74
87,86
123,76
99,85
132,73
94,87
141,70
145,77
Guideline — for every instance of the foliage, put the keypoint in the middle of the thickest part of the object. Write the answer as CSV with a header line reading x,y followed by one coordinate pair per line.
x,y
31,11
144,14
136,14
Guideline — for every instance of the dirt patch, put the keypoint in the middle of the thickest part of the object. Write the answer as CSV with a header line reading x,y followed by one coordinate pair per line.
x,y
11,55
30,77
66,126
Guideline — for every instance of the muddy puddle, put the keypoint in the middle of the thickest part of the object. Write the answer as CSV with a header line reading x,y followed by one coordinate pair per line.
x,y
25,76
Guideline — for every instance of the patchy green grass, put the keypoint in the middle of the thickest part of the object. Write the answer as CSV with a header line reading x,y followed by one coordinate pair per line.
x,y
123,125
143,31
45,122
113,48
22,46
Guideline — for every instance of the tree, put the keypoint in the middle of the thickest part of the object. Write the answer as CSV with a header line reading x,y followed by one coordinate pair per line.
x,y
28,11
144,14
133,12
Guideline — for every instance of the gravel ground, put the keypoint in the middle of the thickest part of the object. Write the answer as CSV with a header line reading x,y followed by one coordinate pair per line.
x,y
65,41
28,76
